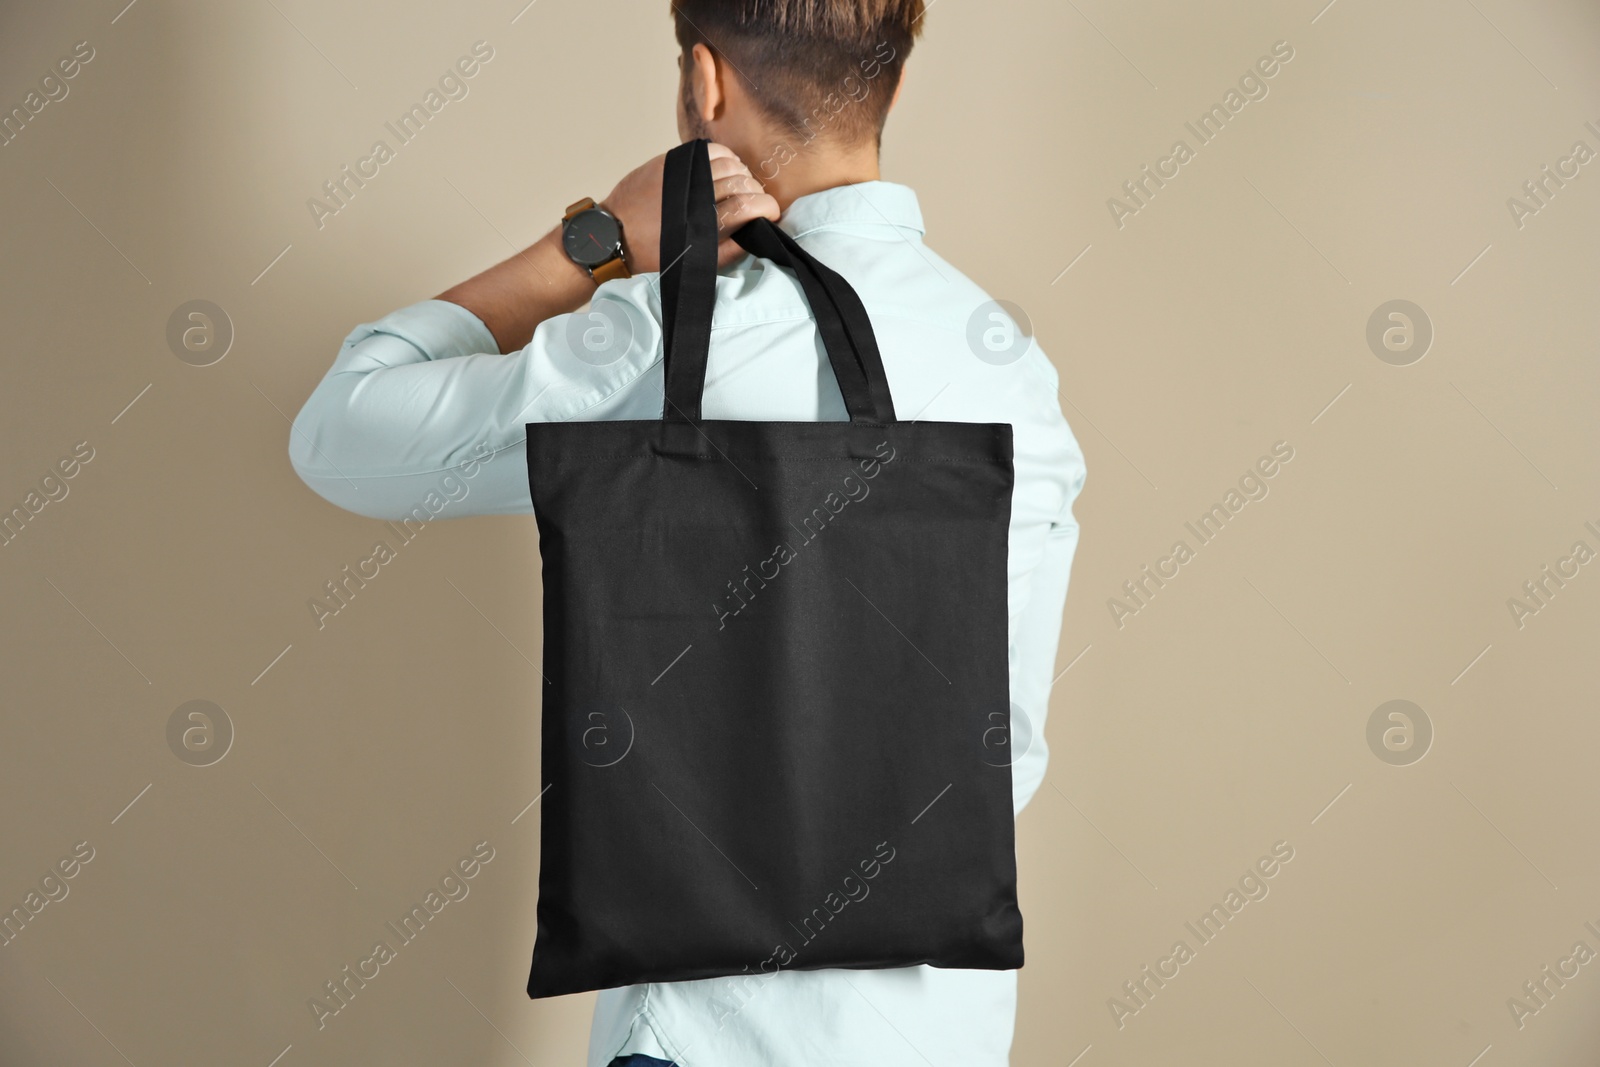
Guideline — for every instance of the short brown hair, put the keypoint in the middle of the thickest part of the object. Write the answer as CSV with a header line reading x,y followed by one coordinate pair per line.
x,y
824,68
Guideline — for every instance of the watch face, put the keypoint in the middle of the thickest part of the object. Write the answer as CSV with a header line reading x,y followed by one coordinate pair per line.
x,y
591,237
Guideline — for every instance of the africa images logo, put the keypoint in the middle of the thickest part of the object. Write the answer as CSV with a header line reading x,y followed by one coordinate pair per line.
x,y
1142,188
855,489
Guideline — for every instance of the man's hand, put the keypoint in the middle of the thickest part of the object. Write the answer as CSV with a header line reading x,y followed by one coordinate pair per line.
x,y
540,282
636,202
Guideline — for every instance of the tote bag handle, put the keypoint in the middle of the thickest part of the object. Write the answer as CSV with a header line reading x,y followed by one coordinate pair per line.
x,y
688,293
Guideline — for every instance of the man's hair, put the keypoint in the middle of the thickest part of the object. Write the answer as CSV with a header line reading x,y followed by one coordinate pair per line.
x,y
823,68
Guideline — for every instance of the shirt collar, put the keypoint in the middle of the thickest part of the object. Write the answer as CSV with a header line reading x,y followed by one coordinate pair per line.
x,y
875,203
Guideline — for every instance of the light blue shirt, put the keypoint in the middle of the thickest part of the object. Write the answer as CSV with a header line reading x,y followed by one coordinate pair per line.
x,y
418,417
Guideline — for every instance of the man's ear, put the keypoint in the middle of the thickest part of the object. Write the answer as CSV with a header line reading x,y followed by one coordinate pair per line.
x,y
706,82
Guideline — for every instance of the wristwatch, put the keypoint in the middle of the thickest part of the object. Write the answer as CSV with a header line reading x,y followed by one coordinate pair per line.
x,y
592,238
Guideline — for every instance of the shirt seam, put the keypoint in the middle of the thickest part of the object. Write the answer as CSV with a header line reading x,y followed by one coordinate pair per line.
x,y
668,1044
644,1014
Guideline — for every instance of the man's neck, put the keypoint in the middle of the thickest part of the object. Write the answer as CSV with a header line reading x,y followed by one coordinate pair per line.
x,y
814,168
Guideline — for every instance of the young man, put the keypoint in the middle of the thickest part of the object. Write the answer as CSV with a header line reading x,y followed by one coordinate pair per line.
x,y
794,94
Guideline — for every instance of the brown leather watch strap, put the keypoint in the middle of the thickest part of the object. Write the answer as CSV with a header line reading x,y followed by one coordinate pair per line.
x,y
612,269
582,205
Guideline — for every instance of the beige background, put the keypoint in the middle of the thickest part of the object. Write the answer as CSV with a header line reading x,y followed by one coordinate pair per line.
x,y
1228,715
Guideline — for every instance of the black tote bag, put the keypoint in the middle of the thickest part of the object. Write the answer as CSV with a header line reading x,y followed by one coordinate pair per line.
x,y
775,662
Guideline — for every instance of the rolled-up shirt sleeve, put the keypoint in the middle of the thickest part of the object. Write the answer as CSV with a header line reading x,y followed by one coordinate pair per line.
x,y
423,393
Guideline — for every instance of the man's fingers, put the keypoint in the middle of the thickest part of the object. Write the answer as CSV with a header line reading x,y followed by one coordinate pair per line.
x,y
727,167
728,252
740,209
740,198
735,185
